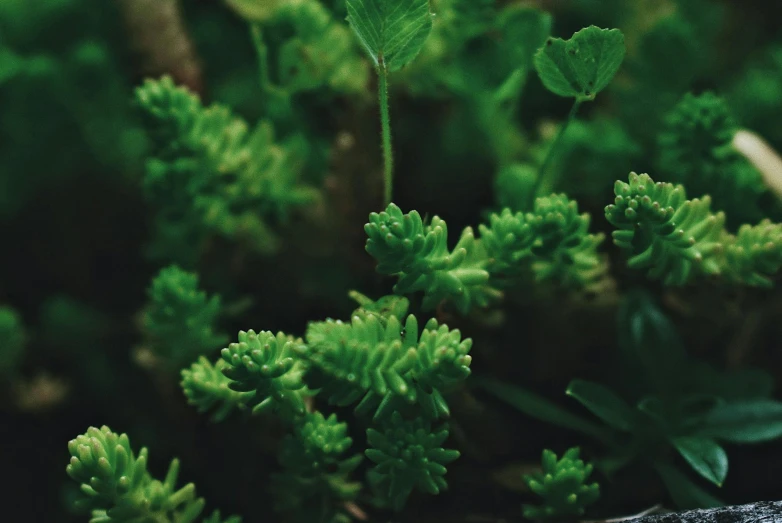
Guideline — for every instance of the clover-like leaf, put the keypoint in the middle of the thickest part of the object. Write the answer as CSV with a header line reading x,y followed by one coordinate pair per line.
x,y
582,66
392,31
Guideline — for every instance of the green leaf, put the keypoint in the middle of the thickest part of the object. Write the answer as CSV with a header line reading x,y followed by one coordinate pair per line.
x,y
542,409
651,346
392,31
524,30
603,403
582,66
705,456
750,421
684,493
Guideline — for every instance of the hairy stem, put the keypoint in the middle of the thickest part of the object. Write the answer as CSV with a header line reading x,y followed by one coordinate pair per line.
x,y
552,151
385,122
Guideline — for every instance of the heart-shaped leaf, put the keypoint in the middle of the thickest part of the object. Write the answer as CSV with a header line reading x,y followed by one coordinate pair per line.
x,y
392,31
582,66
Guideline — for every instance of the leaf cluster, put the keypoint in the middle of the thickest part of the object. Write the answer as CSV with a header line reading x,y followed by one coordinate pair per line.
x,y
211,175
117,487
549,244
562,483
696,150
180,320
680,240
667,401
396,375
316,470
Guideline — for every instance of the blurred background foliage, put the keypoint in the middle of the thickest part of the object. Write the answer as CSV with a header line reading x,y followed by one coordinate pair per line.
x,y
76,224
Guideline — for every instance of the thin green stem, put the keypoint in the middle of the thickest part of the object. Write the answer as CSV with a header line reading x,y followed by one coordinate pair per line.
x,y
263,56
552,151
385,122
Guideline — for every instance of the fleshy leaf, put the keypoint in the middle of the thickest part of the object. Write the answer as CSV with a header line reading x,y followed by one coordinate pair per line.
x,y
582,66
392,31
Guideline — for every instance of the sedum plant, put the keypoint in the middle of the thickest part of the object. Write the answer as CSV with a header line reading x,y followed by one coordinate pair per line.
x,y
681,240
363,415
179,322
211,174
563,485
550,244
116,486
394,375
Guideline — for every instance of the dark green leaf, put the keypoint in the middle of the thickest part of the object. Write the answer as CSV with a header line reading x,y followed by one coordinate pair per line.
x,y
750,421
392,31
705,456
540,408
650,345
603,403
582,66
684,493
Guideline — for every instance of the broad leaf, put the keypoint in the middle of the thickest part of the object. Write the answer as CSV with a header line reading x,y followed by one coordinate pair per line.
x,y
684,493
582,66
603,403
392,31
751,421
540,408
705,456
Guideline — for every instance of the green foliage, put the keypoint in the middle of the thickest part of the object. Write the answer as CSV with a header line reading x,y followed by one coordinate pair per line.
x,y
116,486
681,240
384,364
266,365
420,256
675,238
549,244
208,389
754,255
583,65
592,152
321,54
12,341
680,403
212,175
563,486
64,97
315,479
552,241
391,31
696,150
180,319
408,455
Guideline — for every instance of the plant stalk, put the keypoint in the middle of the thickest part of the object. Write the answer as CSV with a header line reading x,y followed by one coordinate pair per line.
x,y
552,151
385,123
